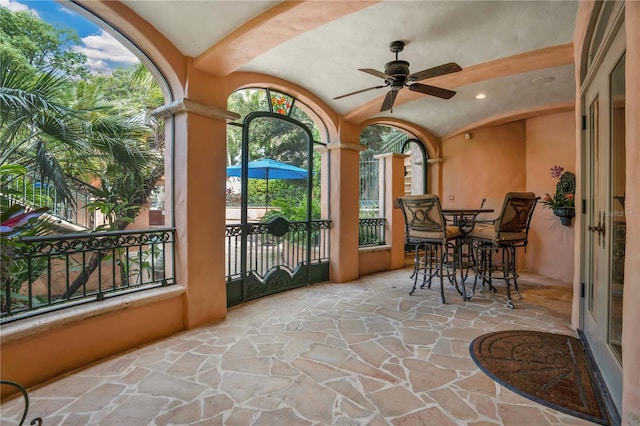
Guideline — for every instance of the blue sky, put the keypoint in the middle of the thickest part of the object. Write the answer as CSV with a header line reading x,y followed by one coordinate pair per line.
x,y
104,53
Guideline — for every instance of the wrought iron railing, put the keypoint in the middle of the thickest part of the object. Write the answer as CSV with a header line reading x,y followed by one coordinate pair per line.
x,y
53,272
265,251
395,144
369,184
371,231
33,191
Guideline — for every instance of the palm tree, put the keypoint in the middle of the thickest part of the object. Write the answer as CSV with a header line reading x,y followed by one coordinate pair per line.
x,y
39,130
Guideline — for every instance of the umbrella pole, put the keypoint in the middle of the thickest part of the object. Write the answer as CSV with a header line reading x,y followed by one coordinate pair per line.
x,y
266,196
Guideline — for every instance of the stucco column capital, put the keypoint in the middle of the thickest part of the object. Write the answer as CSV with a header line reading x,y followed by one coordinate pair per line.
x,y
188,105
391,155
346,146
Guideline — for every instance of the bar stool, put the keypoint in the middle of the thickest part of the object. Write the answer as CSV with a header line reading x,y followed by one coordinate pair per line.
x,y
510,231
434,241
489,218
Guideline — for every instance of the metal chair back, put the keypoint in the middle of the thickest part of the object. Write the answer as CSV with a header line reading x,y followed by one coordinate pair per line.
x,y
517,212
490,203
423,217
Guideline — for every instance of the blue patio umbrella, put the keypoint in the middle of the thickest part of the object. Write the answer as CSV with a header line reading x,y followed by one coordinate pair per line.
x,y
268,169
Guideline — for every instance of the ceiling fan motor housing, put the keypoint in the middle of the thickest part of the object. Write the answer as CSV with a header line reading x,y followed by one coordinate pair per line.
x,y
397,68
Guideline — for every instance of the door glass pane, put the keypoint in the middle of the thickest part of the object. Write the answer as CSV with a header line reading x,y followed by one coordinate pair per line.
x,y
616,220
593,166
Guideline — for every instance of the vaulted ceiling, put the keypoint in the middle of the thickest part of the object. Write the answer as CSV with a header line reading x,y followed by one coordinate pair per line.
x,y
517,53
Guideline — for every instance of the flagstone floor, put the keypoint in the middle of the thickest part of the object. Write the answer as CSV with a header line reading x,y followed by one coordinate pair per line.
x,y
358,353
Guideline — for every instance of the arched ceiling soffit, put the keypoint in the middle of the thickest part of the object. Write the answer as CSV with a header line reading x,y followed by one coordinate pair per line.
x,y
428,139
320,45
289,19
245,80
269,29
127,27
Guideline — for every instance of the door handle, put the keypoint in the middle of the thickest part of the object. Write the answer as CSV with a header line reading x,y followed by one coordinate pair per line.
x,y
600,228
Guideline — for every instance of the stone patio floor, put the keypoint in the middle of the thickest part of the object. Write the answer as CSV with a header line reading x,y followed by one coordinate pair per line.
x,y
357,353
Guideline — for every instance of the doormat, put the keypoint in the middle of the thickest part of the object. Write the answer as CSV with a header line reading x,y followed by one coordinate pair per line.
x,y
551,369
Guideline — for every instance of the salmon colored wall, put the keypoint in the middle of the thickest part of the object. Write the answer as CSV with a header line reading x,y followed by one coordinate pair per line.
x,y
35,358
373,260
549,142
490,164
631,313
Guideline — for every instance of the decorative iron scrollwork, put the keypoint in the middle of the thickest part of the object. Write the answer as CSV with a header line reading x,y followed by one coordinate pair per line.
x,y
25,395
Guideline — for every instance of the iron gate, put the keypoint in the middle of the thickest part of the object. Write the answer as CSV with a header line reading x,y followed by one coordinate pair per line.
x,y
284,247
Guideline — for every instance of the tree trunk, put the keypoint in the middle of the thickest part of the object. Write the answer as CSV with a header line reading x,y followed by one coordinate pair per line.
x,y
139,200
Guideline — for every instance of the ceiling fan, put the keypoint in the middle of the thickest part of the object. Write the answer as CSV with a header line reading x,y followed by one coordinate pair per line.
x,y
396,75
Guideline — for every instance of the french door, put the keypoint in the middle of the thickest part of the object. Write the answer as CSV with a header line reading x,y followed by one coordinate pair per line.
x,y
604,225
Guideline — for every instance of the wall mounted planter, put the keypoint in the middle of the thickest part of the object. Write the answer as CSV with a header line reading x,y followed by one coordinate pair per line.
x,y
565,214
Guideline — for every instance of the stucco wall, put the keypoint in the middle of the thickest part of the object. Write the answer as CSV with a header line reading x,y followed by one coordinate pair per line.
x,y
549,142
39,348
490,164
492,161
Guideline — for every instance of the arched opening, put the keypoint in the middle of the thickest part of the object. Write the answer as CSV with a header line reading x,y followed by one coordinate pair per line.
x,y
275,239
92,156
383,139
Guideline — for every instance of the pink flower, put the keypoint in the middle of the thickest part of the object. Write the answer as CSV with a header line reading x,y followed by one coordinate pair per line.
x,y
556,172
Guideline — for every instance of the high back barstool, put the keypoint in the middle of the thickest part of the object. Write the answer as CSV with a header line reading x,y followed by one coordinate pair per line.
x,y
510,231
434,241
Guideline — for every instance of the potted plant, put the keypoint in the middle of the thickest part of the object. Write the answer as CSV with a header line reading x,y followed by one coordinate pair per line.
x,y
562,203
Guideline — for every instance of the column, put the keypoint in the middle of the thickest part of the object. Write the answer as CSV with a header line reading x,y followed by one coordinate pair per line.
x,y
391,187
344,207
198,183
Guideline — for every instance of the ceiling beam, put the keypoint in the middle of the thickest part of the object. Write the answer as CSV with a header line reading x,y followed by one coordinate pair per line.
x,y
275,26
524,62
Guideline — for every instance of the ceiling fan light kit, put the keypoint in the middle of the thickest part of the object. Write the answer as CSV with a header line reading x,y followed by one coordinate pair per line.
x,y
396,75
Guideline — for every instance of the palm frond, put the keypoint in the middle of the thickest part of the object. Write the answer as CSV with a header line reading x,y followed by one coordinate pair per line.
x,y
51,171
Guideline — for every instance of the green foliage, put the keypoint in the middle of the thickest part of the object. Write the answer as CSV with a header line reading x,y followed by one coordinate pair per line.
x,y
16,223
66,128
42,45
128,92
57,120
271,138
380,139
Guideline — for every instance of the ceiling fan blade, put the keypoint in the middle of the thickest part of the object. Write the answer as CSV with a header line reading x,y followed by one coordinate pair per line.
x,y
432,90
376,73
435,71
360,91
387,104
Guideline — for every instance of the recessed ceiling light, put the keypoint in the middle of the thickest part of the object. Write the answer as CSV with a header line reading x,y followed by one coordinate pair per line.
x,y
542,80
481,96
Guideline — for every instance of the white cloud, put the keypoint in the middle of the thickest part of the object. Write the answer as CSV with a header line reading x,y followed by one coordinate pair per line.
x,y
102,50
16,6
98,66
66,10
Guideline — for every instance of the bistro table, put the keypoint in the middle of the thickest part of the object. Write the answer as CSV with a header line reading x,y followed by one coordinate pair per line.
x,y
465,220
